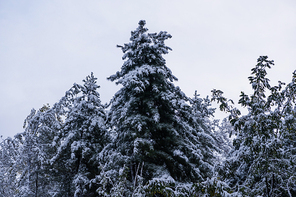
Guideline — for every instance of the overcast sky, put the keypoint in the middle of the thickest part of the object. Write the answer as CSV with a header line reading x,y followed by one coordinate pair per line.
x,y
46,46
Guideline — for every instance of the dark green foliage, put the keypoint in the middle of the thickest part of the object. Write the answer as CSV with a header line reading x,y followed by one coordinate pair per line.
x,y
153,120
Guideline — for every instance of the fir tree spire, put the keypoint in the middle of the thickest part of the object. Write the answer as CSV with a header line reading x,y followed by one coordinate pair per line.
x,y
150,117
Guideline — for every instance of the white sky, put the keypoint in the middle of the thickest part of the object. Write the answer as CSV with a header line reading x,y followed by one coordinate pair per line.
x,y
46,46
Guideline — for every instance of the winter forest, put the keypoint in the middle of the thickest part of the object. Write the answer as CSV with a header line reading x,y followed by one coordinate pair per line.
x,y
153,140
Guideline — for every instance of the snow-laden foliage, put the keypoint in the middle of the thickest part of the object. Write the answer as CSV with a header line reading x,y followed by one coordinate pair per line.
x,y
154,140
80,140
9,172
263,160
28,155
155,125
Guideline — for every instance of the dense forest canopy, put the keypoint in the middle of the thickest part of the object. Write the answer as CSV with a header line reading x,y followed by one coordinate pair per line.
x,y
152,139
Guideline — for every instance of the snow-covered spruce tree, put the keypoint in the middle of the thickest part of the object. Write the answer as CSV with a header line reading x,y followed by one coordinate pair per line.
x,y
155,138
81,139
263,161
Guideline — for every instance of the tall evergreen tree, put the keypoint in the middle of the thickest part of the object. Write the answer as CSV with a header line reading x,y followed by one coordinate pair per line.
x,y
154,132
81,139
